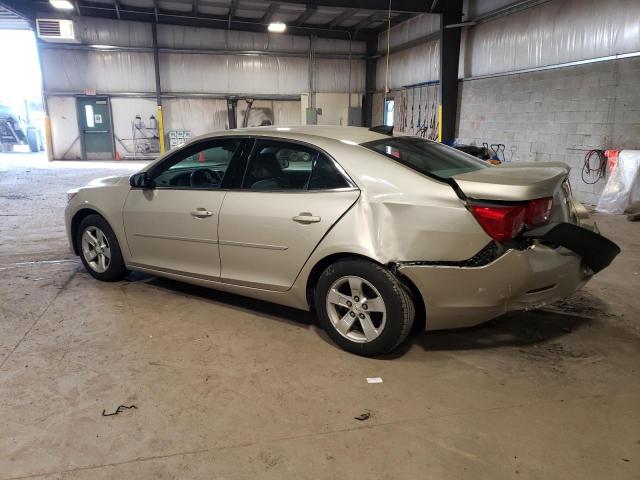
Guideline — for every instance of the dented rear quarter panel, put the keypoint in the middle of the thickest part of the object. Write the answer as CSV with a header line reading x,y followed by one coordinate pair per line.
x,y
400,215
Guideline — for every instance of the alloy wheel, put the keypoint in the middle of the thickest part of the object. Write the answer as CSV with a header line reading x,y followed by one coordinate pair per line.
x,y
95,249
356,309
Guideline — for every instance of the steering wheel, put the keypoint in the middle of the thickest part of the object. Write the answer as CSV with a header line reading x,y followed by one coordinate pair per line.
x,y
202,176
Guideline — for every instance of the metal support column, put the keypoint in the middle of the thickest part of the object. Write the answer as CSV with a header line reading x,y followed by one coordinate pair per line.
x,y
449,58
156,64
232,108
369,83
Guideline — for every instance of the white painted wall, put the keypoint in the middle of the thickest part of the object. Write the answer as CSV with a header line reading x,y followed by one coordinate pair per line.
x,y
64,128
199,115
124,111
334,107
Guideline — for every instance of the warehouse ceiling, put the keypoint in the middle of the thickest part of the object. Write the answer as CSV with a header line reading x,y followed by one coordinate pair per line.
x,y
9,20
359,19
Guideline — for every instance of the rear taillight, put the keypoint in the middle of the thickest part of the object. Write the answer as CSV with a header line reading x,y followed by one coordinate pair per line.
x,y
505,222
538,211
501,222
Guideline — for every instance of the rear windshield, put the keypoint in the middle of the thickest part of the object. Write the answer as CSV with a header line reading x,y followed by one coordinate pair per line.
x,y
429,158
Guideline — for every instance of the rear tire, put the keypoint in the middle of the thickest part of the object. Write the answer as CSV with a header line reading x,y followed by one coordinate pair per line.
x,y
33,140
99,249
363,307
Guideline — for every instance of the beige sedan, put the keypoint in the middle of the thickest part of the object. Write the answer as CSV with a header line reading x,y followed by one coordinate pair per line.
x,y
373,232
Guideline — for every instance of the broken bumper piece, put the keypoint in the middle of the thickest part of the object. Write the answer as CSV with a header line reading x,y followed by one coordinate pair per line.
x,y
597,252
562,258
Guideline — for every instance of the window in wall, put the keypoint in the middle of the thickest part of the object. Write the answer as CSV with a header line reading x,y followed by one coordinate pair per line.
x,y
89,118
388,112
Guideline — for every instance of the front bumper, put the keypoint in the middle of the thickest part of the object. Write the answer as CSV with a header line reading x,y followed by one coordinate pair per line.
x,y
544,272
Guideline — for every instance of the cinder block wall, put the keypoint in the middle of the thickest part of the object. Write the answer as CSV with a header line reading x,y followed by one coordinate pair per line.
x,y
556,115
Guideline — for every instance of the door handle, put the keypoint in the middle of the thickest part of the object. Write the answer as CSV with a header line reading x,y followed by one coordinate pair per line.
x,y
201,213
306,217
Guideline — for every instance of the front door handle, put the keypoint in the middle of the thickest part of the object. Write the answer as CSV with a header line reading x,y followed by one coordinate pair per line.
x,y
306,217
201,213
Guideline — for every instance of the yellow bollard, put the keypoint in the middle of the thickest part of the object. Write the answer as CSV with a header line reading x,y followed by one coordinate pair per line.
x,y
47,138
440,123
161,129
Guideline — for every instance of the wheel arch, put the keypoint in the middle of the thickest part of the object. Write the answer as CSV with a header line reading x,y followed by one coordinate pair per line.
x,y
75,223
323,263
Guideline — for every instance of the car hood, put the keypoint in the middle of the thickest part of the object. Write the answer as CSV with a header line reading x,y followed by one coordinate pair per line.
x,y
106,181
513,182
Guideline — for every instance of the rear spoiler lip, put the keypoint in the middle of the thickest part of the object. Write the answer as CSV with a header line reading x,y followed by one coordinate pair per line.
x,y
487,187
384,129
597,251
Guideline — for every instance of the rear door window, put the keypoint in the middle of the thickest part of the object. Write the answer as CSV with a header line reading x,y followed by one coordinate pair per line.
x,y
277,165
429,158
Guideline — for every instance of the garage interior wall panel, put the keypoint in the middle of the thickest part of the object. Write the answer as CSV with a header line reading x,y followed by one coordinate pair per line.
x,y
552,33
175,36
239,74
199,115
559,31
414,65
286,112
103,31
333,75
335,107
74,71
556,115
412,29
64,128
278,112
124,111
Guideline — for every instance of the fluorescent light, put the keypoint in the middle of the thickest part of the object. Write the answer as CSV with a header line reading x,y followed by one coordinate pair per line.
x,y
62,4
283,129
278,27
103,47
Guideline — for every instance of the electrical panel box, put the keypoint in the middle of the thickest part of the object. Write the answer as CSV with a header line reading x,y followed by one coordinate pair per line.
x,y
312,116
355,116
179,137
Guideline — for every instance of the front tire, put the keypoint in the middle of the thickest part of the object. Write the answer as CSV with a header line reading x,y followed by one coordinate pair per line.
x,y
99,249
363,307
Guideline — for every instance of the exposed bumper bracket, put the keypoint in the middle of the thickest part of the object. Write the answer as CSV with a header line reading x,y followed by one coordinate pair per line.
x,y
597,252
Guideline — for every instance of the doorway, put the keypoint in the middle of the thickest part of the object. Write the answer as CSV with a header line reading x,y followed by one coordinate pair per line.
x,y
21,108
96,130
388,112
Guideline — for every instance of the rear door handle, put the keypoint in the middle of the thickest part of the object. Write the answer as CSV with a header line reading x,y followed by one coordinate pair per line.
x,y
306,217
201,213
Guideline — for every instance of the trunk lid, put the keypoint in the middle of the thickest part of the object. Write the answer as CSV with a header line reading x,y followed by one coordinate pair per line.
x,y
513,181
522,181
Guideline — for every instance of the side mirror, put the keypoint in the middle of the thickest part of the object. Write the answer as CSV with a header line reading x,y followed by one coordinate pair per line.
x,y
141,180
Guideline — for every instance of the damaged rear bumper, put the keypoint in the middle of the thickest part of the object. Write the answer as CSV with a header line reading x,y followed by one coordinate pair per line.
x,y
544,272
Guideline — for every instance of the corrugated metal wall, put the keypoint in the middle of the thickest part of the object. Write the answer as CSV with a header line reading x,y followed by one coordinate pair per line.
x,y
554,32
284,71
196,64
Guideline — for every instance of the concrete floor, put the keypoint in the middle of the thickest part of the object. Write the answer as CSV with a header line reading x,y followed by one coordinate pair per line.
x,y
232,388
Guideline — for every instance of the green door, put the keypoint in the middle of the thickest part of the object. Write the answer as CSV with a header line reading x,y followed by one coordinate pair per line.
x,y
94,119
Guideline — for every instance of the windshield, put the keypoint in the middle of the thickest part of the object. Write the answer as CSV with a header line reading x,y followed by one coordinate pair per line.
x,y
429,158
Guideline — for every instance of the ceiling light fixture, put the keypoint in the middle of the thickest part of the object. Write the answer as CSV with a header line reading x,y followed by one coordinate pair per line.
x,y
62,4
277,27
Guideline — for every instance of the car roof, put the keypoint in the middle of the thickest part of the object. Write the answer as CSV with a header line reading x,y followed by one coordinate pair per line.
x,y
349,135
